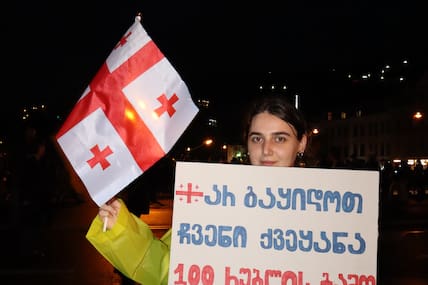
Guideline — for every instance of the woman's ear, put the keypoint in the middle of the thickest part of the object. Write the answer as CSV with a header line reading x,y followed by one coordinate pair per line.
x,y
302,144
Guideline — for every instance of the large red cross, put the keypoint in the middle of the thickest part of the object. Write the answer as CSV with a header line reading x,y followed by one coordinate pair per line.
x,y
106,93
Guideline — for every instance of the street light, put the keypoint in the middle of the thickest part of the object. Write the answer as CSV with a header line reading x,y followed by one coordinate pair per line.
x,y
417,116
206,142
190,151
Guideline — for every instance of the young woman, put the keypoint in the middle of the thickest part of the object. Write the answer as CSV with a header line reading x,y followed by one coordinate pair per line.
x,y
276,134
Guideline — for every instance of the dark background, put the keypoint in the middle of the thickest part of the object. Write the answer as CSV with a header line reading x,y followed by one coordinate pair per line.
x,y
222,49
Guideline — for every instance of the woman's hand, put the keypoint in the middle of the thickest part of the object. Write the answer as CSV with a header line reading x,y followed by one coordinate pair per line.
x,y
109,212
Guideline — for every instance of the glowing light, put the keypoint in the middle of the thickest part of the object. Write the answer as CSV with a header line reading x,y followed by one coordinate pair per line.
x,y
142,105
130,115
155,115
206,142
417,115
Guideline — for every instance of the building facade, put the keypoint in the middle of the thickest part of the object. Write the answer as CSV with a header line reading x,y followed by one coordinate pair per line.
x,y
387,136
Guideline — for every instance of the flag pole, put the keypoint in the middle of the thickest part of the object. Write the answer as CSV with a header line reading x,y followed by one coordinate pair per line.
x,y
139,17
105,221
105,224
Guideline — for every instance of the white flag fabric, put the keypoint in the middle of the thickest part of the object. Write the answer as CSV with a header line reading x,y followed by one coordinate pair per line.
x,y
130,116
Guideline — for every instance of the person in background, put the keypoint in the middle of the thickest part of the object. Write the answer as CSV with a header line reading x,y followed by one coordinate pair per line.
x,y
276,135
35,193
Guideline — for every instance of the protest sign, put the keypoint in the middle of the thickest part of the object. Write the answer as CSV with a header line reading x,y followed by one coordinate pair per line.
x,y
244,224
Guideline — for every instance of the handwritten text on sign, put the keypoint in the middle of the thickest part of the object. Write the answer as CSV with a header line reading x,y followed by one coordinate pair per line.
x,y
241,224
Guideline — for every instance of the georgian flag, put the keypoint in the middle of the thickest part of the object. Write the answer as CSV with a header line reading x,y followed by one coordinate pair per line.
x,y
130,116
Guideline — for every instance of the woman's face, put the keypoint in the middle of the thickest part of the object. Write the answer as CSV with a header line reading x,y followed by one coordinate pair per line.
x,y
273,142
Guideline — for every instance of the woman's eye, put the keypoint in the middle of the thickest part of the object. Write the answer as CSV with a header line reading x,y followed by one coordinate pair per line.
x,y
280,139
256,139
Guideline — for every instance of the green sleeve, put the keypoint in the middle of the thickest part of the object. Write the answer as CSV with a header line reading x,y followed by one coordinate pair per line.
x,y
132,249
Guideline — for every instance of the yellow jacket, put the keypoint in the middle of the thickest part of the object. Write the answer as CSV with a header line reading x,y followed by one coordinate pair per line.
x,y
132,249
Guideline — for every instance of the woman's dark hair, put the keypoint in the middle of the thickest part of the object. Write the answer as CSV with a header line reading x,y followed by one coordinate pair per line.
x,y
280,107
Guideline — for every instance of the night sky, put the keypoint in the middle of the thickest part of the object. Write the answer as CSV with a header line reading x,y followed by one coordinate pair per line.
x,y
52,49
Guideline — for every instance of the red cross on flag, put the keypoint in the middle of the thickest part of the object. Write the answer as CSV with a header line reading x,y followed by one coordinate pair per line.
x,y
130,116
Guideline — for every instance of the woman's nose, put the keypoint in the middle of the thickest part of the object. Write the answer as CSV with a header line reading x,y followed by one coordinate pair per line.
x,y
267,147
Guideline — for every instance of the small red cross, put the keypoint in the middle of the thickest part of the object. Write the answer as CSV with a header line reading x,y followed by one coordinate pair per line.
x,y
123,41
100,157
166,105
189,193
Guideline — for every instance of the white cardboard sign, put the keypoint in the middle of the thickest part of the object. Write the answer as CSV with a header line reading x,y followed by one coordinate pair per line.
x,y
244,225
